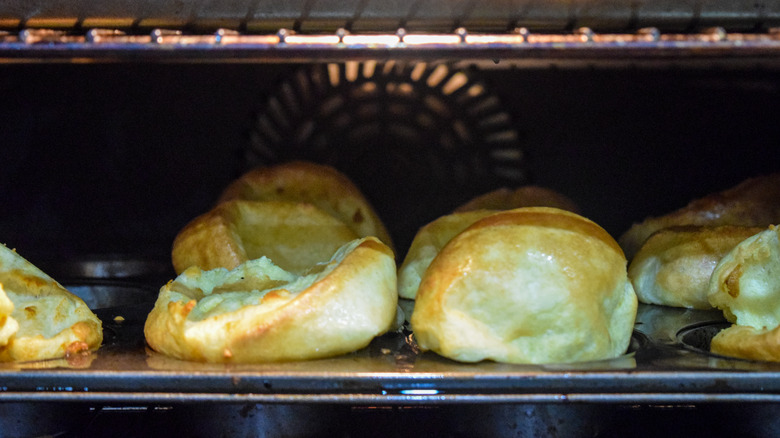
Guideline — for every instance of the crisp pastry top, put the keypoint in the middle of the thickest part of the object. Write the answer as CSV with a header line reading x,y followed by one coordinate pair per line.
x,y
746,282
746,342
40,319
674,265
430,239
317,184
745,285
258,312
530,285
294,235
753,203
426,245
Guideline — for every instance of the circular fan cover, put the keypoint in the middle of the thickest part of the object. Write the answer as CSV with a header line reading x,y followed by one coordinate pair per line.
x,y
418,139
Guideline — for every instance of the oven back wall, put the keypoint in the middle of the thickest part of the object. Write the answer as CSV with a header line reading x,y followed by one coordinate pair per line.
x,y
116,158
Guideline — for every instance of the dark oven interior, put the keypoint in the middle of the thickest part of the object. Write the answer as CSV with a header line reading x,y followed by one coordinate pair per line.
x,y
109,150
116,158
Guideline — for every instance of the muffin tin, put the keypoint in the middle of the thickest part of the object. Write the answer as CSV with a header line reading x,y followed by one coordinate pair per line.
x,y
668,363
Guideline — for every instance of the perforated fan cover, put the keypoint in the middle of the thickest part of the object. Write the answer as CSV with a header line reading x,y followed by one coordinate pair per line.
x,y
418,139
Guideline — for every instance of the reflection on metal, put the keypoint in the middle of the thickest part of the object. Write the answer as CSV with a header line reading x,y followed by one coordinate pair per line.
x,y
376,17
661,367
287,46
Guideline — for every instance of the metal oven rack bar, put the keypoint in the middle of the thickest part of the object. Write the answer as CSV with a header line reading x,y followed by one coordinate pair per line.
x,y
381,15
223,45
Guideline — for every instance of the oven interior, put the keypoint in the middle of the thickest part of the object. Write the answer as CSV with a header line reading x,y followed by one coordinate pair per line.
x,y
107,154
116,158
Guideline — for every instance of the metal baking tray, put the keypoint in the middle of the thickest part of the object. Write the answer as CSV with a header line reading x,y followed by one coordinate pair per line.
x,y
375,15
103,268
391,383
667,362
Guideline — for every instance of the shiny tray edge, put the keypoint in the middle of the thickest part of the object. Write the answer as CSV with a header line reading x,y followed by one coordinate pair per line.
x,y
378,399
657,369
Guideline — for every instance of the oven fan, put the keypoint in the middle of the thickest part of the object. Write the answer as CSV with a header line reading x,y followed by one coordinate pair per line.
x,y
417,138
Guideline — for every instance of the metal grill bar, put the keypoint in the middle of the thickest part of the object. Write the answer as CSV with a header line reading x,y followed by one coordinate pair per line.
x,y
288,46
378,16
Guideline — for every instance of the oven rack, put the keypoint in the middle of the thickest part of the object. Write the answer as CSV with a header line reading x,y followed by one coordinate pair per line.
x,y
262,16
284,45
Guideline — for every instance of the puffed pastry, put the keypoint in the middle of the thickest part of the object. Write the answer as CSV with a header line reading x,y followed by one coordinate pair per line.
x,y
674,266
258,312
317,184
426,245
40,319
745,285
294,235
753,203
530,285
429,239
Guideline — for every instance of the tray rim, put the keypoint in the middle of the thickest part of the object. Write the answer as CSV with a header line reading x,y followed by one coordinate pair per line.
x,y
660,370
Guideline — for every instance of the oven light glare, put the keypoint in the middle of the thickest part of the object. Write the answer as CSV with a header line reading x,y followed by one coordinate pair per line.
x,y
420,391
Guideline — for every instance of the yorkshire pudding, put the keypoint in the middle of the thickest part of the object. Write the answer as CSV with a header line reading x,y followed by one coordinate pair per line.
x,y
674,266
40,319
430,239
745,285
530,285
317,184
753,203
259,312
426,245
294,235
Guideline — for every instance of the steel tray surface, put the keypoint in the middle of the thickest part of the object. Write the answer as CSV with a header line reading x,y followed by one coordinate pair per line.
x,y
667,362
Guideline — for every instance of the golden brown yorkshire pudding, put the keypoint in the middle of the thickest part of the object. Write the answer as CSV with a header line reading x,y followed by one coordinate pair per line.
x,y
426,245
530,285
430,239
745,285
746,342
258,312
316,184
526,196
674,266
40,319
753,203
294,235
